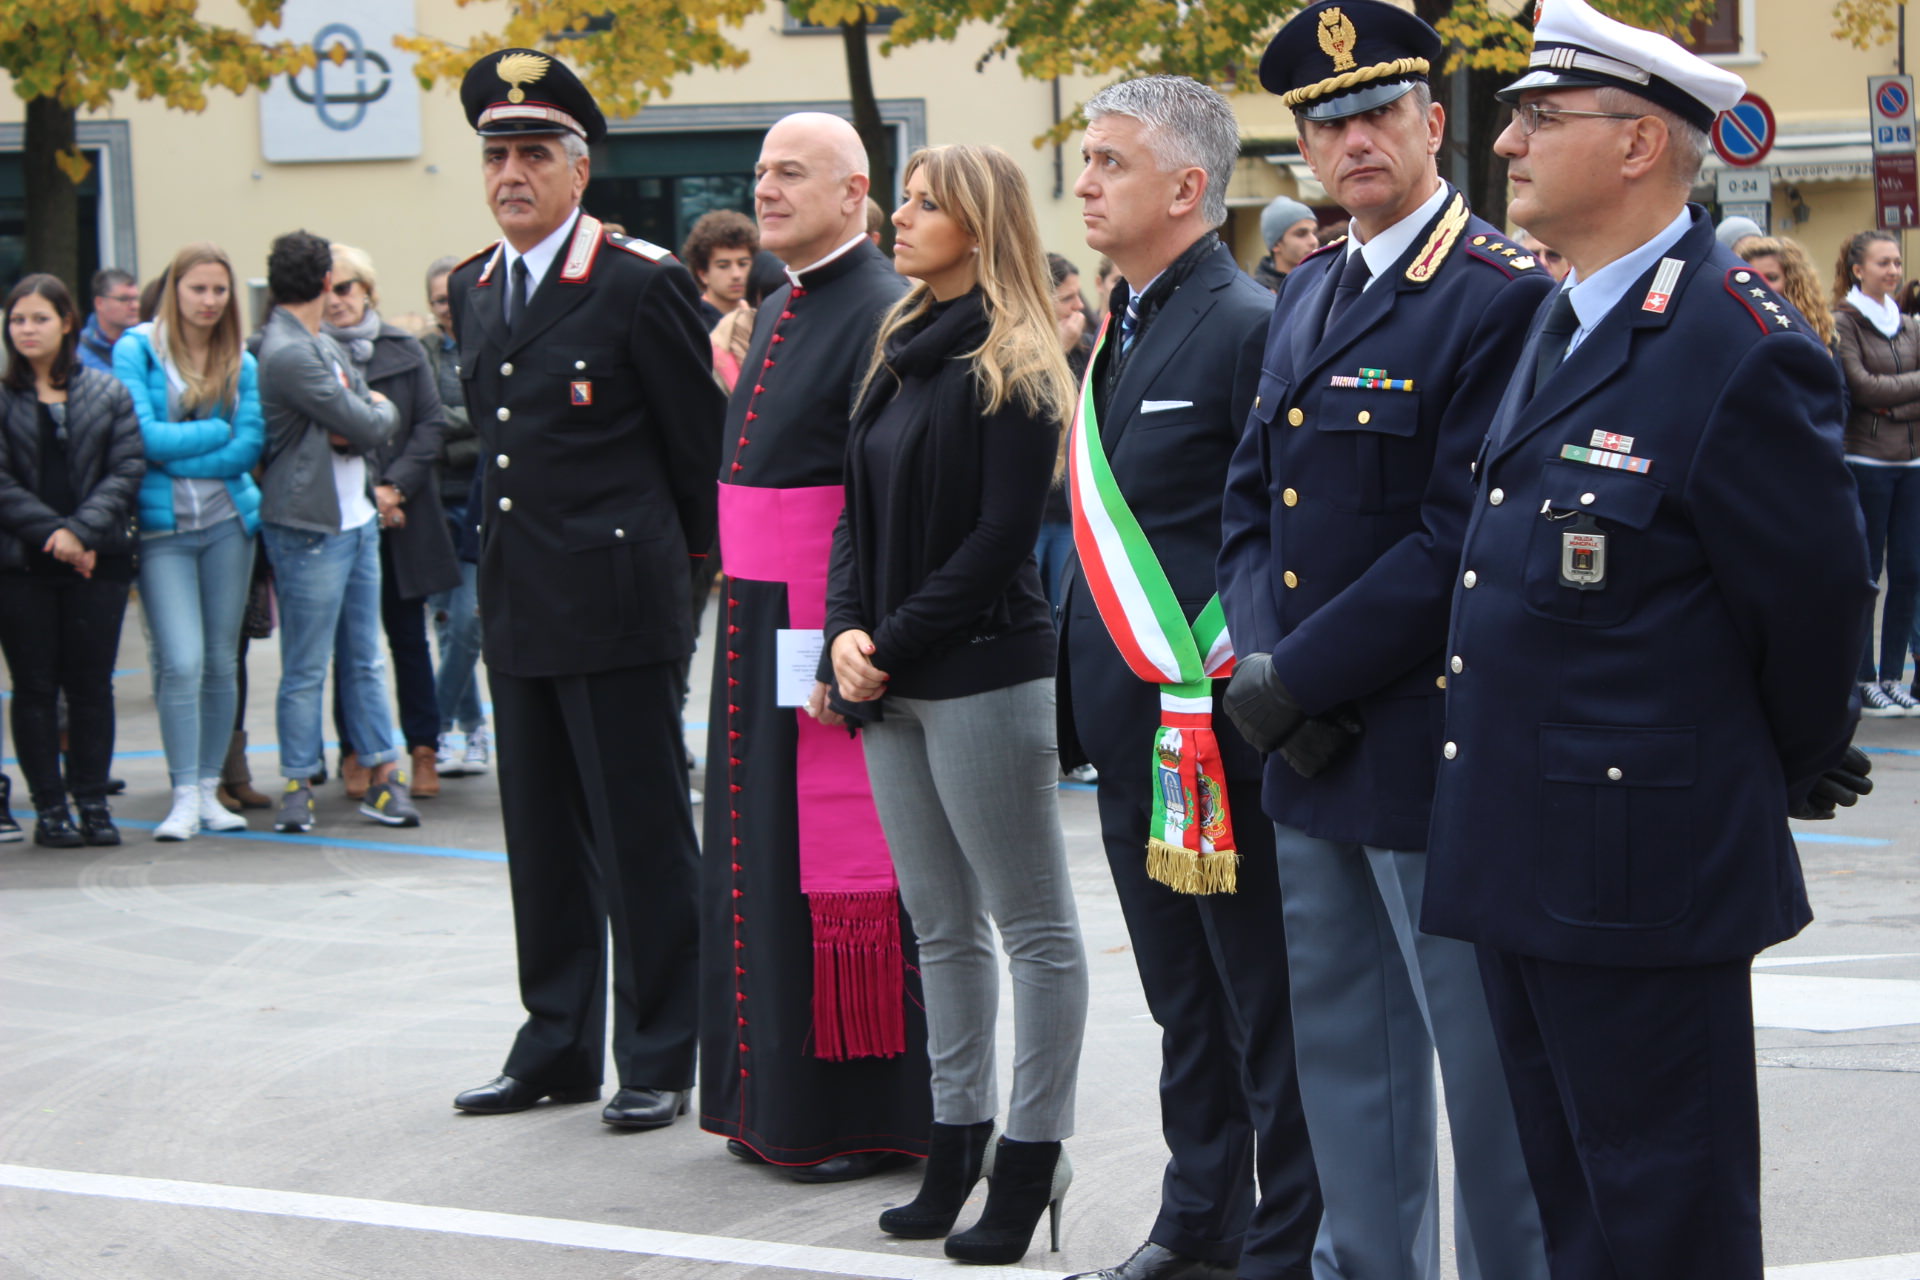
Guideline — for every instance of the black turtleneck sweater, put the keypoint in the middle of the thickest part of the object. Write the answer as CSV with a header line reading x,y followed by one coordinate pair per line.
x,y
934,554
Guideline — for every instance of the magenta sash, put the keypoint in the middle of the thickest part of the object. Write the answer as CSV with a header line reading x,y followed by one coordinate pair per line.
x,y
786,536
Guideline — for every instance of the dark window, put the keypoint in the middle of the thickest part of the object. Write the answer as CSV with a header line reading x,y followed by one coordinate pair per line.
x,y
13,224
1719,33
881,16
657,185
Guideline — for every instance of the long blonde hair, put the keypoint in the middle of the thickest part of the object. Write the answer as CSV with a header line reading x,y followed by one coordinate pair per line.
x,y
1799,283
218,383
983,190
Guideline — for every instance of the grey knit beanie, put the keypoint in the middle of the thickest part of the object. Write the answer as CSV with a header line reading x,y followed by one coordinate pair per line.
x,y
1278,216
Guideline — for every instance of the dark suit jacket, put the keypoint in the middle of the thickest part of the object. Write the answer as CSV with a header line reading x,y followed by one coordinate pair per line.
x,y
1345,507
1170,428
601,422
1622,759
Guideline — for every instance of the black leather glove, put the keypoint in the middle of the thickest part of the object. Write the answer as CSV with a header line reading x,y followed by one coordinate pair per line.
x,y
1260,706
1321,740
1843,784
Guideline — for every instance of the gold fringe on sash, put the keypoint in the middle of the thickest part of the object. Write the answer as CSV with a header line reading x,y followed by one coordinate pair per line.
x,y
1186,871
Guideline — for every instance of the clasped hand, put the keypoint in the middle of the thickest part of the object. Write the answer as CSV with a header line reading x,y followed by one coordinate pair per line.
x,y
67,549
853,669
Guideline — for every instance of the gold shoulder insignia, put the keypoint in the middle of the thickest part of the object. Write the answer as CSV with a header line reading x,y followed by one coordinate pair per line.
x,y
1440,243
1524,261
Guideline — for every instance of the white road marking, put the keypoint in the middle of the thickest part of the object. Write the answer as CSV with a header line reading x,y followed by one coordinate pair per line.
x,y
1904,1266
509,1226
1802,1002
1789,962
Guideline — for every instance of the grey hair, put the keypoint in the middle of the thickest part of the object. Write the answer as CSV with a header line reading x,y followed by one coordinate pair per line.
x,y
441,267
1188,126
1686,141
574,145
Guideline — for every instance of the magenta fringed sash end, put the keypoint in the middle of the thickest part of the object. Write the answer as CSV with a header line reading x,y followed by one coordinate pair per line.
x,y
859,984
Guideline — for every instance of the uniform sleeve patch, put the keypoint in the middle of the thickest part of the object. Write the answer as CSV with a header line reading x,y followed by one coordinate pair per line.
x,y
1768,310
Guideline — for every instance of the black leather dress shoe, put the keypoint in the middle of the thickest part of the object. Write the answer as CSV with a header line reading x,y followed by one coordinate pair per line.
x,y
1157,1262
851,1167
741,1151
645,1108
505,1094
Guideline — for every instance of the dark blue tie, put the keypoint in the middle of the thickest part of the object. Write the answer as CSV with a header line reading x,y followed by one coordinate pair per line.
x,y
1129,322
517,292
1555,335
1353,279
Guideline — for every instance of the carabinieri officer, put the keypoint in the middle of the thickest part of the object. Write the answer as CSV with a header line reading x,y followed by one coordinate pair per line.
x,y
1345,505
1655,625
588,375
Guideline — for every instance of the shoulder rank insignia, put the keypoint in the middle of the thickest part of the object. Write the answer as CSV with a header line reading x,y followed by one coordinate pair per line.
x,y
1440,243
1496,252
1762,303
492,254
641,248
1334,243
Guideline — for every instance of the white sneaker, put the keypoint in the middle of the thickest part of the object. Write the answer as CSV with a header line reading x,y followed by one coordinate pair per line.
x,y
215,816
450,758
1898,695
183,823
479,752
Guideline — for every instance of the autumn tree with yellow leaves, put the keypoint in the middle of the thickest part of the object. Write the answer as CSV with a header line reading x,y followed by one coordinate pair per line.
x,y
64,55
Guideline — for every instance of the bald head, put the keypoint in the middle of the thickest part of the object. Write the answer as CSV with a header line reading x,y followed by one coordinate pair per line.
x,y
810,187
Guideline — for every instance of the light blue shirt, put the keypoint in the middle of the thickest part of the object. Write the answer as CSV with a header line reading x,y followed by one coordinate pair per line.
x,y
1600,293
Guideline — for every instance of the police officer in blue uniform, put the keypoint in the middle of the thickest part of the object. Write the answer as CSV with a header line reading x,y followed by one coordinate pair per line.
x,y
1345,506
1655,623
587,373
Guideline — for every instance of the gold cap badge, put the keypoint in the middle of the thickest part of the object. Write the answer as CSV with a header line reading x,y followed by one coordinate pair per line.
x,y
1336,38
519,69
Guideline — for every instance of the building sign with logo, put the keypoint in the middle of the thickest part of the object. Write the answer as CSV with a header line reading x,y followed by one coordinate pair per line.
x,y
359,101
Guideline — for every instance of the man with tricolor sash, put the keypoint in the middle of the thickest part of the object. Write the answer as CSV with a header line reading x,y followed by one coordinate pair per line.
x,y
1343,517
1143,656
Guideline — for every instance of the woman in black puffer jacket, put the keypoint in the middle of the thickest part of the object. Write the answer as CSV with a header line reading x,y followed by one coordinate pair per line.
x,y
70,466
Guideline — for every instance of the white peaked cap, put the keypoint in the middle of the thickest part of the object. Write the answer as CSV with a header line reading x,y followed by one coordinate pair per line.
x,y
1575,45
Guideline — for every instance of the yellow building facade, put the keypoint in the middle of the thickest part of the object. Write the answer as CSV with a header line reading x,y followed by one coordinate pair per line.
x,y
164,178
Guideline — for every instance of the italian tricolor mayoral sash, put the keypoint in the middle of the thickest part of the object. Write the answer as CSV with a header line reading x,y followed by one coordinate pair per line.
x,y
1190,845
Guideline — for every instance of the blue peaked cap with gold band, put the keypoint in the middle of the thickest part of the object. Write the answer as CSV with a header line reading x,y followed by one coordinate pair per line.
x,y
1577,47
526,91
1340,57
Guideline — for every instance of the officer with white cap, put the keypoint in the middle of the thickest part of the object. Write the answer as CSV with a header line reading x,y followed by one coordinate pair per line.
x,y
1658,610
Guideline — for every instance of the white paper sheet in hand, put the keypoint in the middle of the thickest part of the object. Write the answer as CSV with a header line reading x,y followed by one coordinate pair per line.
x,y
796,659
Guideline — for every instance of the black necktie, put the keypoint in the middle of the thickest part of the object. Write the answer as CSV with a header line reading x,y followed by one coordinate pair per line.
x,y
517,293
1353,278
1555,334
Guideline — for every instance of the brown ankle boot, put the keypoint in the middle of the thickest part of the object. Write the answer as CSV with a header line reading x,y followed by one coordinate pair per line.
x,y
236,779
425,782
356,775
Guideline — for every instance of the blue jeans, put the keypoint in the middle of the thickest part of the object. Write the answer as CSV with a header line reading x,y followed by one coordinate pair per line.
x,y
1890,500
329,590
193,587
1050,551
456,628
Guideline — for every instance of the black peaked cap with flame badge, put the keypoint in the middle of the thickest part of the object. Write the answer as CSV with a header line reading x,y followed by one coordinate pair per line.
x,y
1339,58
526,91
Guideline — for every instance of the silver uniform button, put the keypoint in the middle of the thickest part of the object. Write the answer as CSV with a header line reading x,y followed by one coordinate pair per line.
x,y
506,504
1497,497
1450,751
1741,277
1469,580
506,369
502,461
619,533
1458,665
503,413
1586,499
1613,775
579,364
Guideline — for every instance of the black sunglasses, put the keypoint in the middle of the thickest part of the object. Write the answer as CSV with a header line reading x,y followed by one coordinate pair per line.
x,y
344,288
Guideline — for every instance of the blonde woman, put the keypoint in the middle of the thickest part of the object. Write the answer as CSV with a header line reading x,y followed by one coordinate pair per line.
x,y
197,395
940,642
1784,265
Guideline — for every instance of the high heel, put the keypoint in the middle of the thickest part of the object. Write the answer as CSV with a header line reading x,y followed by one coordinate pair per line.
x,y
958,1156
1027,1178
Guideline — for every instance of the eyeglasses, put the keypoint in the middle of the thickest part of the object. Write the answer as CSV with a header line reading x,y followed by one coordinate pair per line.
x,y
345,287
1532,115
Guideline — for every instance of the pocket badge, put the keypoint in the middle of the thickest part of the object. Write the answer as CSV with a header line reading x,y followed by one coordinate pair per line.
x,y
1583,555
583,392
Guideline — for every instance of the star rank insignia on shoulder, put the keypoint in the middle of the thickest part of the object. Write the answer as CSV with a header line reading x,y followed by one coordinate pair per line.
x,y
1769,310
1509,258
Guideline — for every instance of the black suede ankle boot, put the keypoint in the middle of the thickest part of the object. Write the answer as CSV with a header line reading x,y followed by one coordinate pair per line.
x,y
956,1154
1028,1178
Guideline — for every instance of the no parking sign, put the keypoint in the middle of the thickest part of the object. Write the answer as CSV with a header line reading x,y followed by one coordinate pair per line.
x,y
1891,98
1744,132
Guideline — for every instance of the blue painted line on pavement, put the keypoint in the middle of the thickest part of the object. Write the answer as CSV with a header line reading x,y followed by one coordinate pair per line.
x,y
1891,751
339,842
1809,837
